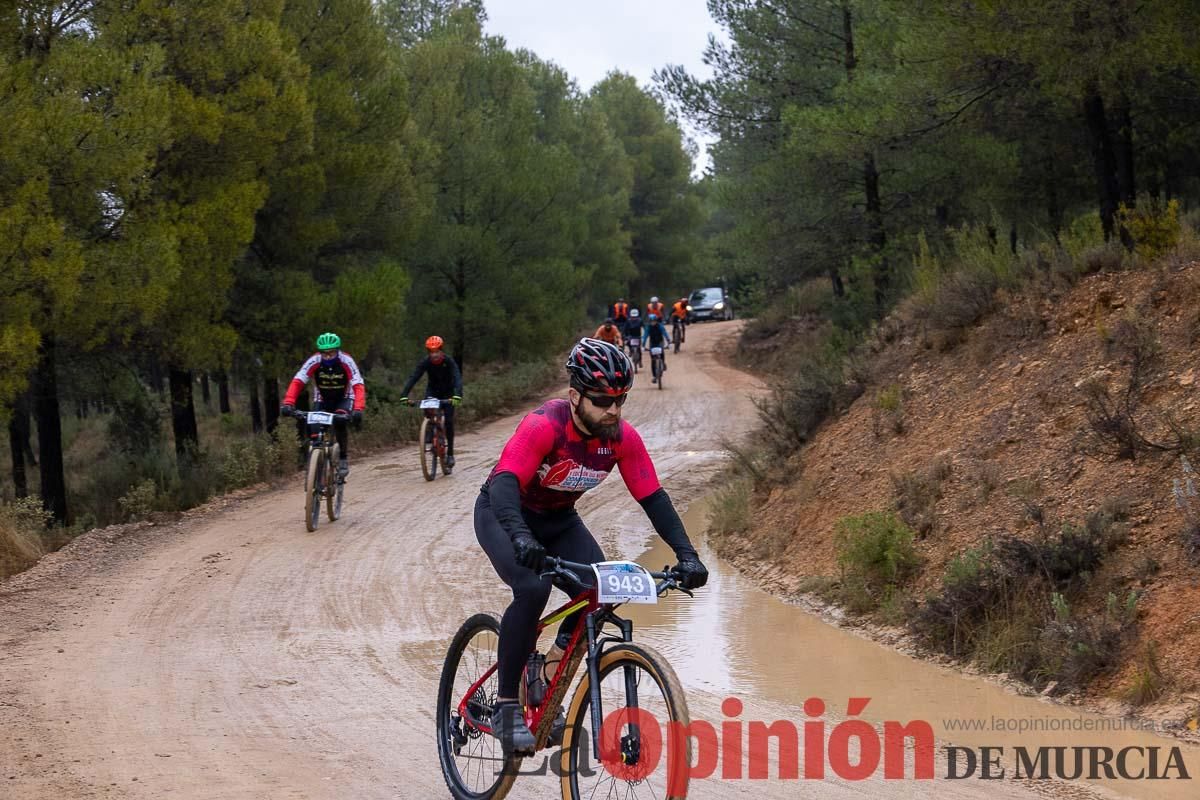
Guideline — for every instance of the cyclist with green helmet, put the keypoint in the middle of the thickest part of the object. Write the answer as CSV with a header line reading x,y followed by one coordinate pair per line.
x,y
338,388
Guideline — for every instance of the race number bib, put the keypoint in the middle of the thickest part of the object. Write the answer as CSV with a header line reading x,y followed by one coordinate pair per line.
x,y
320,418
431,402
656,351
624,582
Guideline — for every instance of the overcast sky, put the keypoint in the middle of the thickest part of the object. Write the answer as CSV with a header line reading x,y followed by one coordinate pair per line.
x,y
589,38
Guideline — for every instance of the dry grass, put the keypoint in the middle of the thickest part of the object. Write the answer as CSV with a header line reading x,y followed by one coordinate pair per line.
x,y
22,541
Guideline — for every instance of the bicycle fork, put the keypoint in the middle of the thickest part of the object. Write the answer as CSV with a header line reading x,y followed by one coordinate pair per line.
x,y
631,743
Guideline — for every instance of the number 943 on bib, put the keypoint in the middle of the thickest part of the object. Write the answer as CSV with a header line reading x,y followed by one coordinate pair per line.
x,y
624,582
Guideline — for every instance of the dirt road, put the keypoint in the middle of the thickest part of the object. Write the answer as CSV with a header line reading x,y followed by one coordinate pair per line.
x,y
234,655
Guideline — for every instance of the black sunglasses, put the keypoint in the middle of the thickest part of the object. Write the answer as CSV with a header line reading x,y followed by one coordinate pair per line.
x,y
604,401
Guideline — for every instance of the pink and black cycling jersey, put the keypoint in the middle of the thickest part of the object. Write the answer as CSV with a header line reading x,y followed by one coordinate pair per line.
x,y
555,464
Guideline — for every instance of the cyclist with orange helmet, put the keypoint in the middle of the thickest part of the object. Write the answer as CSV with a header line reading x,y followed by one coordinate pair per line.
x,y
445,383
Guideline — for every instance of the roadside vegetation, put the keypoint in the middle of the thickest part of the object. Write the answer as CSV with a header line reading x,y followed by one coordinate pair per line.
x,y
191,192
992,195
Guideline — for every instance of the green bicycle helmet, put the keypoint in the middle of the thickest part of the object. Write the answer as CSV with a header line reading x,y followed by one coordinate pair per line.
x,y
329,341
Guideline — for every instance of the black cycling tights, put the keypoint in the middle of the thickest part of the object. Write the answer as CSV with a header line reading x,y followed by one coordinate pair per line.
x,y
341,422
564,535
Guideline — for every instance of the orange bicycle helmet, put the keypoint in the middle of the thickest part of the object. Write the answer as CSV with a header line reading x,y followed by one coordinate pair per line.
x,y
434,343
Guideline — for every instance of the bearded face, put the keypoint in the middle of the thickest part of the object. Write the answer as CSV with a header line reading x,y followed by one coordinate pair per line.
x,y
604,423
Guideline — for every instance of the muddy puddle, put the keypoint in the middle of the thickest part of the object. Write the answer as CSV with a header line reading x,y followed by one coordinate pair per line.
x,y
735,640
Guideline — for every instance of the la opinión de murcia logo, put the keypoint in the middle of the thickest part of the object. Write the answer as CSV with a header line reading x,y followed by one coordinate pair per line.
x,y
812,750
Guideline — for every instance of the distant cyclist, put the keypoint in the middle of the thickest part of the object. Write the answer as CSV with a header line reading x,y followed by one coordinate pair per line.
x,y
633,327
609,332
526,511
656,336
338,386
445,383
619,312
633,336
655,307
679,317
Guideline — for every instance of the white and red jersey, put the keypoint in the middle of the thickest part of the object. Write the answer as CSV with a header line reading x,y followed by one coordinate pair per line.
x,y
335,380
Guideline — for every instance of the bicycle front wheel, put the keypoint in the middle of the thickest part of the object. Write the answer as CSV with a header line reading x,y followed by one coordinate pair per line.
x,y
333,494
428,454
313,488
641,702
473,762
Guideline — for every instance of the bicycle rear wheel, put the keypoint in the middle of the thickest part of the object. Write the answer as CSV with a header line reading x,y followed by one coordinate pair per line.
x,y
313,488
473,762
428,456
639,758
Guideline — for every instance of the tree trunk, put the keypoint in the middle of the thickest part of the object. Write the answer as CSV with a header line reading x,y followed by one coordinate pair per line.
x,y
256,420
460,321
205,394
271,403
1104,160
49,424
1126,177
223,393
835,279
1053,207
1012,239
876,235
183,414
156,376
19,431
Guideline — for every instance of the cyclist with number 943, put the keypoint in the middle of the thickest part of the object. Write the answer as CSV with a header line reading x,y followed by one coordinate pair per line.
x,y
526,511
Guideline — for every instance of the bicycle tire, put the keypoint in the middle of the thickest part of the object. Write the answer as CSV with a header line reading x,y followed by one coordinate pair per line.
x,y
428,457
312,488
447,711
442,448
671,778
333,500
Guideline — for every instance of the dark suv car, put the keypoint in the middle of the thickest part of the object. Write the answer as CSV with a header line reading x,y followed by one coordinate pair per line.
x,y
710,303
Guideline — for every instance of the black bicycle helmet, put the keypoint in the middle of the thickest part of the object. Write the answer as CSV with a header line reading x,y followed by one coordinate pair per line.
x,y
597,366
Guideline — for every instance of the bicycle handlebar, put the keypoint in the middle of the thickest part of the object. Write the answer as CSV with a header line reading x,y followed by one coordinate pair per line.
x,y
566,569
298,414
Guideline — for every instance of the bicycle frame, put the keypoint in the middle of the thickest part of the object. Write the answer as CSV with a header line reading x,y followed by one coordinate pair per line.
x,y
595,616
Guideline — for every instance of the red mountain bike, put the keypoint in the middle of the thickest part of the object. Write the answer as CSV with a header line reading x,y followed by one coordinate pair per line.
x,y
618,740
433,437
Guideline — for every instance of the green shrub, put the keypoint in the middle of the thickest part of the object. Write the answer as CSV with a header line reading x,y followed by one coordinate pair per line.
x,y
1155,227
875,553
139,501
1149,682
1005,605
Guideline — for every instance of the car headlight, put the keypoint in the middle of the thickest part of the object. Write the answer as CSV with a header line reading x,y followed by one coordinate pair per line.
x,y
719,306
689,308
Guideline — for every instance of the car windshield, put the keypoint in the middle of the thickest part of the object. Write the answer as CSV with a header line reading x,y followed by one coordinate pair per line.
x,y
706,297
